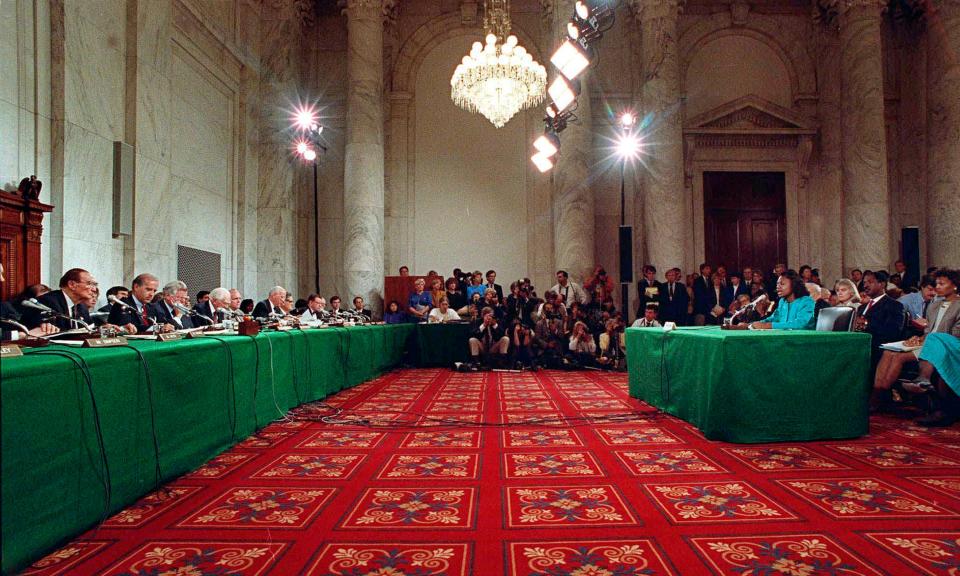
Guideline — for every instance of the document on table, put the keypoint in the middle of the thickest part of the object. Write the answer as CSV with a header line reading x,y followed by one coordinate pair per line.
x,y
899,347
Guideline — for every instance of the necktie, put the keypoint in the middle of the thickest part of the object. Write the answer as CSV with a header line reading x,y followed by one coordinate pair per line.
x,y
74,312
923,312
671,291
869,306
143,314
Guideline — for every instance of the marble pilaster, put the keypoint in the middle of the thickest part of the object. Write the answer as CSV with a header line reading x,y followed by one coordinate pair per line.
x,y
943,134
866,198
573,203
363,195
665,224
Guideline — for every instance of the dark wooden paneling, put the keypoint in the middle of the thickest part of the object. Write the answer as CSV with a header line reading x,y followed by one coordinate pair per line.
x,y
745,219
21,223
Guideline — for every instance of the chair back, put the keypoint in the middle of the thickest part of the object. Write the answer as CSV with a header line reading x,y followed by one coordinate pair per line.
x,y
836,319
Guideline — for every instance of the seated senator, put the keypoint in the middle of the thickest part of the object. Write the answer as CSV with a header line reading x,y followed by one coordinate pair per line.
x,y
794,309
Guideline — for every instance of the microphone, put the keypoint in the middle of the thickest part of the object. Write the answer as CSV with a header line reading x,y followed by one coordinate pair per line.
x,y
33,303
114,300
20,327
184,310
99,314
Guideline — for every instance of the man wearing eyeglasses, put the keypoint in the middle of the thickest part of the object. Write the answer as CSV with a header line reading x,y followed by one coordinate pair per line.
x,y
76,288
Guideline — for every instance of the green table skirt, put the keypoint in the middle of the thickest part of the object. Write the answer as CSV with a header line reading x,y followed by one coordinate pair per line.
x,y
172,405
440,345
755,386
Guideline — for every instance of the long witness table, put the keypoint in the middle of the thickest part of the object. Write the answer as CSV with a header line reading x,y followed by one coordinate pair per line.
x,y
162,409
755,386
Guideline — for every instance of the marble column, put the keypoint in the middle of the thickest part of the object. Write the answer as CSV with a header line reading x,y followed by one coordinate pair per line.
x,y
665,222
573,202
943,133
363,157
866,198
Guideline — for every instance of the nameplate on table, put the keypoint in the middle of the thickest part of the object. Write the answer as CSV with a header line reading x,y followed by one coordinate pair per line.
x,y
106,342
170,337
10,351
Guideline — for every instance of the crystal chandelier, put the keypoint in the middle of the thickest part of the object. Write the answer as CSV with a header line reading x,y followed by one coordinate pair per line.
x,y
500,78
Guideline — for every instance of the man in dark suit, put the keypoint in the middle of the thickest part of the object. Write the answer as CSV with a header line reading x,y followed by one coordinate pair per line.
x,y
11,331
136,317
272,305
701,295
165,312
491,283
778,269
489,341
673,299
76,287
203,309
880,316
359,309
735,286
648,289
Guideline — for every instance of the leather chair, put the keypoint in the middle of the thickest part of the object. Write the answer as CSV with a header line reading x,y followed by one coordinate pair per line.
x,y
836,319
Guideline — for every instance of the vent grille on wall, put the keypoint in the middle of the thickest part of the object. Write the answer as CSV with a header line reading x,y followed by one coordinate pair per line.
x,y
198,268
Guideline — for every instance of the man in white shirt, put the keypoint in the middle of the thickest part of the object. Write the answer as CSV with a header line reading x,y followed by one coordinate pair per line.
x,y
569,290
315,312
443,313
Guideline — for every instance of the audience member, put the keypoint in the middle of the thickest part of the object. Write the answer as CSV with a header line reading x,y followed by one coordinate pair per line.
x,y
443,312
757,286
940,366
648,289
582,346
735,286
778,270
246,306
612,346
476,285
820,297
916,303
489,342
599,285
455,296
794,309
569,290
857,276
365,312
847,293
394,315
716,301
419,302
702,299
492,284
908,281
549,334
524,351
404,271
517,305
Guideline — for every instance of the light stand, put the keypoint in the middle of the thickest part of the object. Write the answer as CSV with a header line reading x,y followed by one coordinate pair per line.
x,y
628,146
305,122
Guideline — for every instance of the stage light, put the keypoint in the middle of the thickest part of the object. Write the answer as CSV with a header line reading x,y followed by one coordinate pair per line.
x,y
552,111
570,59
310,155
305,118
627,120
582,10
563,93
628,146
547,145
302,148
573,31
543,163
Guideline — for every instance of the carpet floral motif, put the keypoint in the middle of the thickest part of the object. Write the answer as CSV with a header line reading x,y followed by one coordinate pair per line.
x,y
553,418
261,507
221,465
198,559
392,560
523,395
949,485
62,560
414,508
783,458
587,394
265,439
789,555
715,502
575,464
635,436
446,439
456,406
528,405
567,505
602,404
587,558
894,455
150,506
862,497
461,466
524,438
308,466
933,553
330,439
667,462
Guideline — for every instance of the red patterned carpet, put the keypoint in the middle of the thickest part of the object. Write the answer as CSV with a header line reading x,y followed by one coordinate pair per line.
x,y
597,496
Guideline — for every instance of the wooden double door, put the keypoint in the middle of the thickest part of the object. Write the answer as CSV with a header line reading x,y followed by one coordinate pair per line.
x,y
745,219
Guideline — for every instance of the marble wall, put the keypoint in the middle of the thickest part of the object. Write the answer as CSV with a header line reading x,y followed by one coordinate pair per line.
x,y
181,81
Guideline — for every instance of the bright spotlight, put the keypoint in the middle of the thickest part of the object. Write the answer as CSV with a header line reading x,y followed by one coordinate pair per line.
x,y
302,148
582,10
304,118
543,163
310,155
547,145
628,146
562,92
570,59
627,119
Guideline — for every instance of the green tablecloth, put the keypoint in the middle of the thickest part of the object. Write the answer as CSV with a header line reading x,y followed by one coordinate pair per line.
x,y
440,345
197,397
755,386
